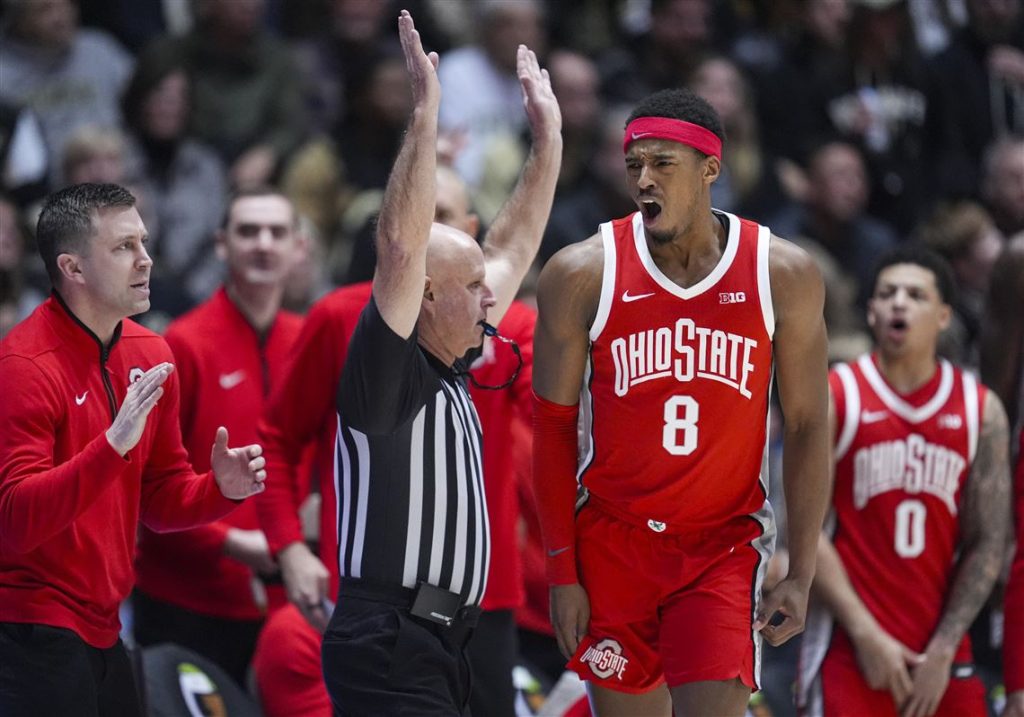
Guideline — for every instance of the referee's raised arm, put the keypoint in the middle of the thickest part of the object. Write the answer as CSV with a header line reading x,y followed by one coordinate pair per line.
x,y
403,227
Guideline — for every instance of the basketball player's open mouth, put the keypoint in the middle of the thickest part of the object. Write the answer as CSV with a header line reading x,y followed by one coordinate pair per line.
x,y
898,324
650,208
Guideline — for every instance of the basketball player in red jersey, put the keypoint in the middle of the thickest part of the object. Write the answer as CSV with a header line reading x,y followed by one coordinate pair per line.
x,y
663,330
920,506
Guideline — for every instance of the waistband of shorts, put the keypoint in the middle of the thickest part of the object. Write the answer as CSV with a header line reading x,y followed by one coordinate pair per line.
x,y
402,597
695,531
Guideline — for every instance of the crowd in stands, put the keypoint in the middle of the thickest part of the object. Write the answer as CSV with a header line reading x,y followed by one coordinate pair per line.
x,y
852,126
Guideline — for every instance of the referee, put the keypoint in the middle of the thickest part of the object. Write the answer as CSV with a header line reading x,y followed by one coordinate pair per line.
x,y
413,536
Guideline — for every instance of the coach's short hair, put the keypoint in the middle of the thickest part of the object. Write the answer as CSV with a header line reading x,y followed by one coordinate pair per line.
x,y
919,255
681,104
67,220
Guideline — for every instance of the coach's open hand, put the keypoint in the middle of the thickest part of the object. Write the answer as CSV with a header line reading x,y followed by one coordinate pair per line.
x,y
239,471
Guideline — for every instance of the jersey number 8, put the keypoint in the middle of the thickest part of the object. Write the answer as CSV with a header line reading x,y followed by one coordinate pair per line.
x,y
679,435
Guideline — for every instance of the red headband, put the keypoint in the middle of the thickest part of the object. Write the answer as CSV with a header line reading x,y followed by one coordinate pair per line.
x,y
692,135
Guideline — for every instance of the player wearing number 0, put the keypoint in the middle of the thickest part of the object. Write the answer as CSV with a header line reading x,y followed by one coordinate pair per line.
x,y
920,511
663,330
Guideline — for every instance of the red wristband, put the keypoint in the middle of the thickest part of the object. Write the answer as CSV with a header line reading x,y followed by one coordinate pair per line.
x,y
554,485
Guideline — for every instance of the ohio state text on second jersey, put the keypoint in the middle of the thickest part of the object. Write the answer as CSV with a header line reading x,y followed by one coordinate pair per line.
x,y
675,396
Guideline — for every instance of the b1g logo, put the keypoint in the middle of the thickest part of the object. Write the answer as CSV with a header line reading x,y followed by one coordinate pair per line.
x,y
605,659
732,297
135,374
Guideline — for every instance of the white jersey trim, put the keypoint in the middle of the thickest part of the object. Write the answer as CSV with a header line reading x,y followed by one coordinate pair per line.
x,y
644,253
764,283
973,414
851,417
896,404
604,304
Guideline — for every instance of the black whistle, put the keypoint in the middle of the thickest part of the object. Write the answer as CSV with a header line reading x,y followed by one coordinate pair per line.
x,y
488,329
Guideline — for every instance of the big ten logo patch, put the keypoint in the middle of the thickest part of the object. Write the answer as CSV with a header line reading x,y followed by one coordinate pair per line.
x,y
732,297
605,659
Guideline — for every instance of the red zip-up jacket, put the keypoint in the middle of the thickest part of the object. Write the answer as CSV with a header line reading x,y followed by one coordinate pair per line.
x,y
69,504
226,373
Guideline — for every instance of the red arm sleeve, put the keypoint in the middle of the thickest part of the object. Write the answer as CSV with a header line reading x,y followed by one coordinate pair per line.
x,y
37,498
554,485
296,412
174,497
1013,638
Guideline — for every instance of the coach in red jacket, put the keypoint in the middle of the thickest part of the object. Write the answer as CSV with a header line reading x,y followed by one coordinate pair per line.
x,y
89,444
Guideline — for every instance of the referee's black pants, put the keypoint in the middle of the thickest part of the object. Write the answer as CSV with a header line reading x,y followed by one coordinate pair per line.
x,y
48,671
380,660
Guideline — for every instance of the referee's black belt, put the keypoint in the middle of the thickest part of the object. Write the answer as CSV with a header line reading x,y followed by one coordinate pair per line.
x,y
459,618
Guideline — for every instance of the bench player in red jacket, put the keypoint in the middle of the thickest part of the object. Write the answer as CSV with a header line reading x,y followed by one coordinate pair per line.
x,y
90,444
196,587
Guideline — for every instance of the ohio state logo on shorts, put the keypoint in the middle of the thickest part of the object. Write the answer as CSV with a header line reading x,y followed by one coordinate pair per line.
x,y
605,659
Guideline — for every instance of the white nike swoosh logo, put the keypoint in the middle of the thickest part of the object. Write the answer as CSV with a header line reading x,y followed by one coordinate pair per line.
x,y
81,399
230,380
873,416
553,553
627,297
641,135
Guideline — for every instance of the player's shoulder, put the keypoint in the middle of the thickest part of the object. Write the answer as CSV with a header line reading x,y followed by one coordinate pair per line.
x,y
581,260
789,260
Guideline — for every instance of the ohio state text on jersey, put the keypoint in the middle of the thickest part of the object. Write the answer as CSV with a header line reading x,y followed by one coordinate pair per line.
x,y
675,397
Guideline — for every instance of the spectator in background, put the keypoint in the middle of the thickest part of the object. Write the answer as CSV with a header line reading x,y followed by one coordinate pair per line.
x,y
481,95
24,161
601,194
247,95
197,588
1002,182
1002,339
792,93
880,105
977,93
358,32
94,154
748,184
963,234
679,33
66,75
183,180
575,81
834,213
17,296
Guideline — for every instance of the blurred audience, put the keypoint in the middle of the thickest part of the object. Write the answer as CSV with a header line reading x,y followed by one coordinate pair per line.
x,y
182,179
964,235
480,95
67,75
1002,183
246,92
977,93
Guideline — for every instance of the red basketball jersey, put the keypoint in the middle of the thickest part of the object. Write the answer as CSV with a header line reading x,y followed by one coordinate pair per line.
x,y
901,465
675,397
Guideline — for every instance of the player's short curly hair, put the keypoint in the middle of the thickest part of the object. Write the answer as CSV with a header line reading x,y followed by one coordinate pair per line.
x,y
919,255
680,104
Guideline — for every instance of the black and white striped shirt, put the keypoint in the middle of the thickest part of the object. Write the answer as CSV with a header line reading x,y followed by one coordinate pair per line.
x,y
408,467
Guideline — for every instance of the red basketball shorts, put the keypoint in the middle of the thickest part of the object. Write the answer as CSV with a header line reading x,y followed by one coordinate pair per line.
x,y
845,693
668,607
